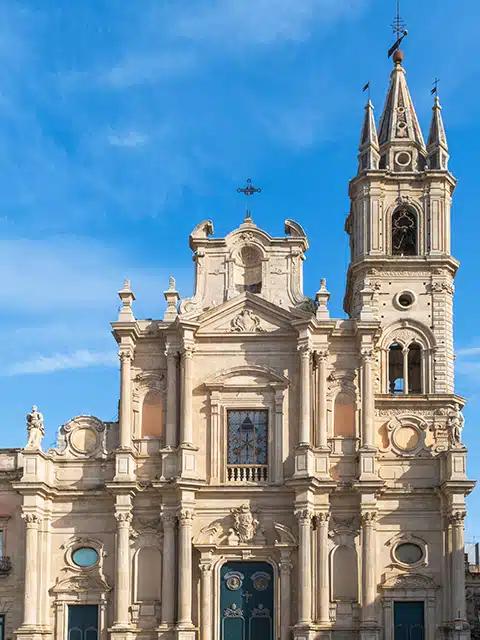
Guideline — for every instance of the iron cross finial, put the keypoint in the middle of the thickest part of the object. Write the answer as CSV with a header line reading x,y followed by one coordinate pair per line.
x,y
248,190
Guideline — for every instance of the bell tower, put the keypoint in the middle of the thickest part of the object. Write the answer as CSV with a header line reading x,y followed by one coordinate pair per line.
x,y
401,269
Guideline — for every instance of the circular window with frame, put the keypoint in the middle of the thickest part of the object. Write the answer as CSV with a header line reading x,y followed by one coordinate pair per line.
x,y
409,554
85,557
404,300
403,158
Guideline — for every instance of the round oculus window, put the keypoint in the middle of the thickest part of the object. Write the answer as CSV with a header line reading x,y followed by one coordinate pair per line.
x,y
408,553
85,557
403,158
405,299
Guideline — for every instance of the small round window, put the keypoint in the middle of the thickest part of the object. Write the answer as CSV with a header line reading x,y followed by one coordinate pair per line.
x,y
403,158
404,300
85,557
408,553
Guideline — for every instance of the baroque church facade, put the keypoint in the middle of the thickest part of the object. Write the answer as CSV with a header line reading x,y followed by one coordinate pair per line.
x,y
275,473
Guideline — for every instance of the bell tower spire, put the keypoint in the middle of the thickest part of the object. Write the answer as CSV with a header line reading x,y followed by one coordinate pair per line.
x,y
437,146
369,152
402,147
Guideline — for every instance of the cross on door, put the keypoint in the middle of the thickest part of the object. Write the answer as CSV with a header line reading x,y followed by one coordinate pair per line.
x,y
246,595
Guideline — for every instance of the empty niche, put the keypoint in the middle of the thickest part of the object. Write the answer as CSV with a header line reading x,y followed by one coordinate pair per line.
x,y
344,415
344,574
152,415
149,571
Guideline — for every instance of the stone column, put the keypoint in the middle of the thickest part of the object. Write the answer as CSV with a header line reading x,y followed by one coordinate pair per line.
x,y
369,573
322,429
285,595
206,629
126,357
458,566
368,400
168,569
323,574
305,395
32,522
185,519
186,435
122,572
304,590
171,418
278,436
405,370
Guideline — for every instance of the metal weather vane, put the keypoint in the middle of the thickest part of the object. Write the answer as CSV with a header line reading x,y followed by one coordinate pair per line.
x,y
435,86
248,190
399,29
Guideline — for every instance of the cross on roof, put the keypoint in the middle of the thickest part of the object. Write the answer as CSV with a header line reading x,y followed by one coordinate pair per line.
x,y
248,190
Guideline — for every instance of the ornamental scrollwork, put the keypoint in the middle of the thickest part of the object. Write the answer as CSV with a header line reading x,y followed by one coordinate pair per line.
x,y
247,322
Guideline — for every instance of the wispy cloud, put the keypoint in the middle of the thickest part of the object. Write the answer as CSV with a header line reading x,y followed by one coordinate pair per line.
x,y
129,139
468,351
58,362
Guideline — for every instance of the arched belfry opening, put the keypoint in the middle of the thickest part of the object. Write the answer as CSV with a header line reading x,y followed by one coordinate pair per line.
x,y
405,369
396,382
404,232
248,270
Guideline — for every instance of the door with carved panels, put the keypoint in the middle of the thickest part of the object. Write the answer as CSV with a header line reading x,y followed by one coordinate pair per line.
x,y
247,601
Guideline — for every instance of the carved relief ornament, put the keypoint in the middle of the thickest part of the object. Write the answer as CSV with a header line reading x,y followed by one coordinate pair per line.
x,y
246,321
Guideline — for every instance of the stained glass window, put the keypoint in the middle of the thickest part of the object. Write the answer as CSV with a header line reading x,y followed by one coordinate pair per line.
x,y
247,437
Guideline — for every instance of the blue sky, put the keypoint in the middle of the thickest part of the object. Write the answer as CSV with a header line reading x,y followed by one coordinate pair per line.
x,y
124,124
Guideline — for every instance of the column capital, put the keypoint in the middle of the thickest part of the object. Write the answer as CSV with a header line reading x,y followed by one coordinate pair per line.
x,y
321,355
123,517
126,354
171,351
285,567
367,355
368,518
32,520
304,516
185,517
187,351
456,518
305,350
205,567
322,517
168,519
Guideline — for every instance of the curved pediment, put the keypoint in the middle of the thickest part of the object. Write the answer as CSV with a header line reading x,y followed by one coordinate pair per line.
x,y
245,376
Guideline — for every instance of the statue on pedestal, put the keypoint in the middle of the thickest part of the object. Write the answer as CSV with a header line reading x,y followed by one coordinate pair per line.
x,y
455,423
35,429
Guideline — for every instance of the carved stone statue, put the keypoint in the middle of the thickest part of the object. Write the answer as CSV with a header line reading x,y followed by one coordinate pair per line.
x,y
35,429
244,523
455,423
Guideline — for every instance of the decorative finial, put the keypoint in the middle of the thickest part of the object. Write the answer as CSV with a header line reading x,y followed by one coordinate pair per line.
x,y
125,313
248,190
126,284
399,29
434,91
172,298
